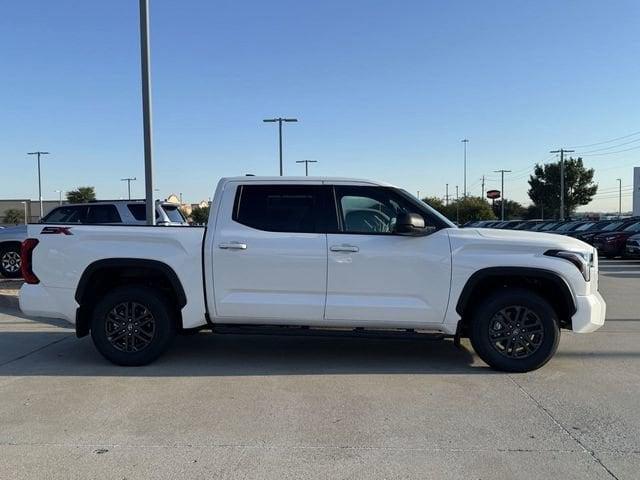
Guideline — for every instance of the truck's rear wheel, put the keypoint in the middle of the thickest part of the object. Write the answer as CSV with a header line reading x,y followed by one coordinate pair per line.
x,y
132,325
515,331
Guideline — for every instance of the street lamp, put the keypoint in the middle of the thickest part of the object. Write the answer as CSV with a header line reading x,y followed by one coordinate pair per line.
x,y
59,192
39,180
306,165
145,53
464,187
280,120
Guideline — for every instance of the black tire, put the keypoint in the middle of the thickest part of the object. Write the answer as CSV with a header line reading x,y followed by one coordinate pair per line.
x,y
508,312
10,261
132,325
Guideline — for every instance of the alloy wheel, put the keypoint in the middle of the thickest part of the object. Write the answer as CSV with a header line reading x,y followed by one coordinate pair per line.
x,y
10,261
130,327
516,332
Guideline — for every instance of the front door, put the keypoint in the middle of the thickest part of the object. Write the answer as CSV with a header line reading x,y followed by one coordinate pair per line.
x,y
270,255
377,277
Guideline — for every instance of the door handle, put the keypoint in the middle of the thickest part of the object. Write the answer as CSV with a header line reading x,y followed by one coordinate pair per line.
x,y
233,246
344,248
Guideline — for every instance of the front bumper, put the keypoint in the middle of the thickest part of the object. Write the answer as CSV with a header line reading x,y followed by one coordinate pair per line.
x,y
590,313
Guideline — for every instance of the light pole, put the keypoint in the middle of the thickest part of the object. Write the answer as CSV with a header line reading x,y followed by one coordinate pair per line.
x,y
619,197
464,190
39,180
128,180
146,111
562,151
502,172
25,212
457,207
59,192
280,120
306,165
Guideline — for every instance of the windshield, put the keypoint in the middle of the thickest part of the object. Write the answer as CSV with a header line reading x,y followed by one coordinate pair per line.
x,y
612,226
565,227
549,226
584,227
634,227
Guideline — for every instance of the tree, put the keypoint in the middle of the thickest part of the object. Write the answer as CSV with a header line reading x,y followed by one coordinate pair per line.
x,y
81,195
512,209
466,209
200,215
435,203
13,216
544,186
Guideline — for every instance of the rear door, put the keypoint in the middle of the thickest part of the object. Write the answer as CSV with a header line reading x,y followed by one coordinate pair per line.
x,y
270,253
377,277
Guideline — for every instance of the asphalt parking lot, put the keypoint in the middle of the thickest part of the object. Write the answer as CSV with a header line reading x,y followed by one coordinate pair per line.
x,y
294,408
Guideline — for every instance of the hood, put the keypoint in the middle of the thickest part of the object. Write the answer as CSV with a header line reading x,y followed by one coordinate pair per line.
x,y
523,239
17,232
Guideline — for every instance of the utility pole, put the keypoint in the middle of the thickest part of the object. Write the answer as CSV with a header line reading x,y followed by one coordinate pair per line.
x,y
306,166
59,192
457,207
128,180
562,151
280,120
482,194
502,172
39,181
619,197
464,189
446,195
145,49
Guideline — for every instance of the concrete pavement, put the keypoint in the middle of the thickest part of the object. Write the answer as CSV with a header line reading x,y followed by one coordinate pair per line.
x,y
259,407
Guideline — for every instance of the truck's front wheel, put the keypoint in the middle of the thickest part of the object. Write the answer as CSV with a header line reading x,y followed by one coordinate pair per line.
x,y
132,325
515,330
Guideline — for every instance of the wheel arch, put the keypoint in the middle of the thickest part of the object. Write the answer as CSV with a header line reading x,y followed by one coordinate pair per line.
x,y
549,284
102,275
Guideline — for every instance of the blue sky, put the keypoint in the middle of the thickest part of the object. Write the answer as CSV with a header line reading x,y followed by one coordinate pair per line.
x,y
382,89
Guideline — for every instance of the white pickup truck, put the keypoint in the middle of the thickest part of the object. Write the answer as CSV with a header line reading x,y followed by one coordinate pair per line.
x,y
314,254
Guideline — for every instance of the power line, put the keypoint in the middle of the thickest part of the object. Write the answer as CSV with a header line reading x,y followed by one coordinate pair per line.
x,y
609,153
610,147
606,141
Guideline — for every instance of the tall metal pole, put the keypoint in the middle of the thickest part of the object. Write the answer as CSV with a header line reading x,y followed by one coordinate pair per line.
x,y
306,165
482,193
457,206
128,180
280,120
25,212
146,110
464,189
502,199
562,151
619,197
59,192
446,195
39,180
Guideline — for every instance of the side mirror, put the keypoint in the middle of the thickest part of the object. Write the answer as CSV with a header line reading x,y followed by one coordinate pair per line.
x,y
410,224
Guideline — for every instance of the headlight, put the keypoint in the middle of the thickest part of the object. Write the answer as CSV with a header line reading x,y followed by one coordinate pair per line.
x,y
582,260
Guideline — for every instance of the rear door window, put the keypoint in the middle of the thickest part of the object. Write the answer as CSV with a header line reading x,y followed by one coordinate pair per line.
x,y
173,213
282,208
103,214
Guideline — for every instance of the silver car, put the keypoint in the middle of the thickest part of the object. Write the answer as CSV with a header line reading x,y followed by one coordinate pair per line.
x,y
127,212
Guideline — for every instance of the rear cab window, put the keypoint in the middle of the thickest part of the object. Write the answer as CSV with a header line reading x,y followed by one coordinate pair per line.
x,y
66,214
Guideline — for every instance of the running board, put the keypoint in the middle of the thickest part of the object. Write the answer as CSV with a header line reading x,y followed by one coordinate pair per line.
x,y
358,332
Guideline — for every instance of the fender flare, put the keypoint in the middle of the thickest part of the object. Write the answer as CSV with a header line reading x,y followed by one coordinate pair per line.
x,y
559,282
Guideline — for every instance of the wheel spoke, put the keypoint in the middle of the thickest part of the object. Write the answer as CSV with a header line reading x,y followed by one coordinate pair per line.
x,y
516,331
130,327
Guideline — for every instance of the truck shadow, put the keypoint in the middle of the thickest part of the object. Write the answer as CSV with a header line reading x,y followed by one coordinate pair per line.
x,y
206,354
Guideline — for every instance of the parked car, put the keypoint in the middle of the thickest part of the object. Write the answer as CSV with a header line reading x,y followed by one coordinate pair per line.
x,y
613,226
529,224
117,212
568,227
612,244
632,247
305,253
587,227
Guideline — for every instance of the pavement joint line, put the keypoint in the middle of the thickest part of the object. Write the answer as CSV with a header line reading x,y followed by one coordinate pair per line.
x,y
306,447
36,350
546,411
